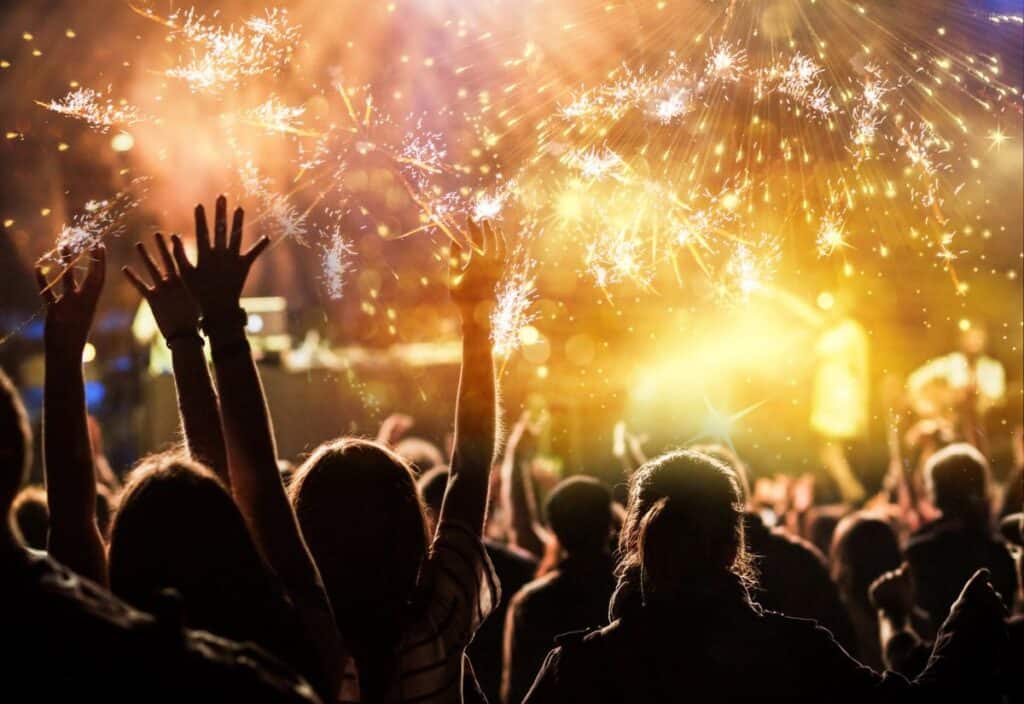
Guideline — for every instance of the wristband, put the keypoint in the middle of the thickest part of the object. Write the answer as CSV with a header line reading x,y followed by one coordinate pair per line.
x,y
228,321
177,338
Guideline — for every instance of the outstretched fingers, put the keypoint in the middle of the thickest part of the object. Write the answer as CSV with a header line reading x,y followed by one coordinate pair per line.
x,y
255,250
235,243
67,275
133,278
155,274
180,258
220,223
93,282
165,256
202,232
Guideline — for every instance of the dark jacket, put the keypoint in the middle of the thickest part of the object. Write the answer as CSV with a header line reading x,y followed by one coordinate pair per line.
x,y
945,553
66,639
716,647
571,598
514,568
794,579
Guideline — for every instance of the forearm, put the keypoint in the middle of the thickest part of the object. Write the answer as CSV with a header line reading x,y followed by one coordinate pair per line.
x,y
198,407
74,537
475,427
899,643
256,485
248,436
522,507
252,465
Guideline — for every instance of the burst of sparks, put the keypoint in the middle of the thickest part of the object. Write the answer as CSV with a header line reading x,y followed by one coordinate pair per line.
x,y
697,228
629,195
800,81
750,268
278,216
512,310
221,58
275,116
91,107
615,257
727,62
423,151
488,205
596,163
581,106
831,235
335,260
923,148
671,108
98,220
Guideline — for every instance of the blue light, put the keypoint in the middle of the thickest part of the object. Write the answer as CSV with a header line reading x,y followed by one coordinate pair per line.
x,y
95,392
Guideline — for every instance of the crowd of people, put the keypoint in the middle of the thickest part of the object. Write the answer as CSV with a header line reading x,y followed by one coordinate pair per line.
x,y
377,571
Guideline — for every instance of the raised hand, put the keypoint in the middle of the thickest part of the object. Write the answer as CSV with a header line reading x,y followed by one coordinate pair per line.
x,y
69,315
477,280
68,462
525,434
893,592
394,428
217,278
177,315
216,282
476,423
980,599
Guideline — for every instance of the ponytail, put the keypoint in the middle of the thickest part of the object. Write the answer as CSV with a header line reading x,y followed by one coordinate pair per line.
x,y
662,551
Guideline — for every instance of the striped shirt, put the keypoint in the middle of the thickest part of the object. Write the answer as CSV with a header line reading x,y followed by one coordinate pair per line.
x,y
460,589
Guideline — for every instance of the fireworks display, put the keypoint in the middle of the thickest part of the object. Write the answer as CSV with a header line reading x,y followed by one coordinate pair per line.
x,y
88,105
710,147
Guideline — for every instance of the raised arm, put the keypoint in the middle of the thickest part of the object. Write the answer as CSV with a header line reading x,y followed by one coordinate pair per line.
x,y
465,500
517,489
394,427
74,536
216,283
627,448
177,316
892,595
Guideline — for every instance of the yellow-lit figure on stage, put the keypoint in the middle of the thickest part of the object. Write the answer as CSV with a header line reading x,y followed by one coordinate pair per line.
x,y
840,409
839,412
839,404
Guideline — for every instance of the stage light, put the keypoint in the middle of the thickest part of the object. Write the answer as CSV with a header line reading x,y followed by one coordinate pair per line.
x,y
122,142
826,300
964,324
88,353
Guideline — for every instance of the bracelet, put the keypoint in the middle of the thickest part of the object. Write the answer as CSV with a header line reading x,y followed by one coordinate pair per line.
x,y
227,321
176,338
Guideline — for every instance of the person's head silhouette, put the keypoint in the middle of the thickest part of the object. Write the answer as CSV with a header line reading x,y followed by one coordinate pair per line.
x,y
683,530
579,512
